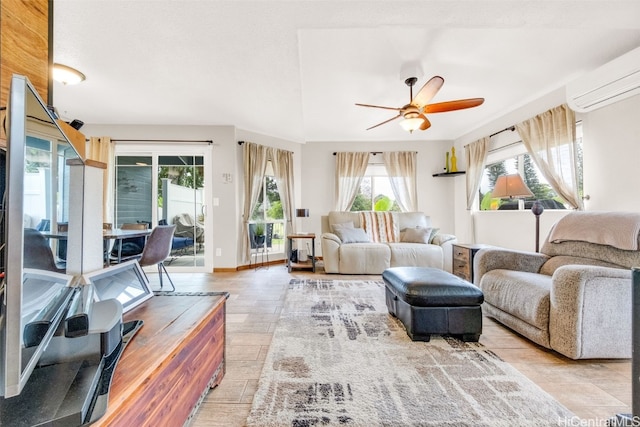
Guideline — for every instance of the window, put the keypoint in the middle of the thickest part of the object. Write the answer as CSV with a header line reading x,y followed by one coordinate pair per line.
x,y
268,210
513,158
375,193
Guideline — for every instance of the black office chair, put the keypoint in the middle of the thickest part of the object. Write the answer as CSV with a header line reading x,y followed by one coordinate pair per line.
x,y
37,252
157,250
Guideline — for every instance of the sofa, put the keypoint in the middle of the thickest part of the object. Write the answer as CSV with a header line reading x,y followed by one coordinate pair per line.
x,y
575,295
370,242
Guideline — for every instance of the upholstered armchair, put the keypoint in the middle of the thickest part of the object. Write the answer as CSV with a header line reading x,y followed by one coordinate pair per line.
x,y
575,296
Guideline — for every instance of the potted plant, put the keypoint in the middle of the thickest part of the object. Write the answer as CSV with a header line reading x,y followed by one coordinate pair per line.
x,y
258,232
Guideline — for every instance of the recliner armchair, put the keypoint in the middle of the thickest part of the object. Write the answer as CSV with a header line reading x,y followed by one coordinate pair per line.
x,y
575,295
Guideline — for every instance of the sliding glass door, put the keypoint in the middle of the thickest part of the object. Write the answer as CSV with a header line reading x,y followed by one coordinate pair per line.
x,y
167,186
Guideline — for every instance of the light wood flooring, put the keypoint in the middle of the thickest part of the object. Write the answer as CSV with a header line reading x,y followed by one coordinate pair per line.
x,y
594,390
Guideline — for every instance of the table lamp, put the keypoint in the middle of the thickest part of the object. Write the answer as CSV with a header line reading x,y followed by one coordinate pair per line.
x,y
302,213
512,187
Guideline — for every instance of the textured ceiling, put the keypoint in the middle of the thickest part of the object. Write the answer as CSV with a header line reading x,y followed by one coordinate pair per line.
x,y
294,69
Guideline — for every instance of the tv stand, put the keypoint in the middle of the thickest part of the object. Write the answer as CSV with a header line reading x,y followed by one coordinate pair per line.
x,y
65,390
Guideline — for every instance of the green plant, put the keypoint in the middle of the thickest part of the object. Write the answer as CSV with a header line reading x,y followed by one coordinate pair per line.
x,y
259,229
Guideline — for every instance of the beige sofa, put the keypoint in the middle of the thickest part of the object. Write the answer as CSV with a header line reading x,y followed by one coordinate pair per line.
x,y
388,242
575,296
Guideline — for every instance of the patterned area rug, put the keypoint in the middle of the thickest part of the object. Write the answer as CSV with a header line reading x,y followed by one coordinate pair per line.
x,y
338,358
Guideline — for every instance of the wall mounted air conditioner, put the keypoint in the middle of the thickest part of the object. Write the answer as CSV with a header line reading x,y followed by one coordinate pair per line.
x,y
612,82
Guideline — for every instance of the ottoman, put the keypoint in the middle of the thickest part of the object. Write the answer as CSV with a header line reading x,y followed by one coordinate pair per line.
x,y
431,301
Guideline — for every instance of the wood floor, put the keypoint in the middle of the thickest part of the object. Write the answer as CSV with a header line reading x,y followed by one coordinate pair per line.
x,y
594,389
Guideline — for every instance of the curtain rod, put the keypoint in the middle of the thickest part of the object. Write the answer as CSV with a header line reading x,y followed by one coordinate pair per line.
x,y
372,152
511,128
208,141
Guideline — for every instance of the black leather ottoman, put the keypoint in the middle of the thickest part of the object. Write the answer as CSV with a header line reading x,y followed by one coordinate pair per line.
x,y
431,301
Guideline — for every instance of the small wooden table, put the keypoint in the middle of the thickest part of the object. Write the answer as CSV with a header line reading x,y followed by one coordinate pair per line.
x,y
463,254
302,265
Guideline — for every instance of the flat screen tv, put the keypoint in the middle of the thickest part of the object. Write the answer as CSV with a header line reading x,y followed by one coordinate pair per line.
x,y
36,187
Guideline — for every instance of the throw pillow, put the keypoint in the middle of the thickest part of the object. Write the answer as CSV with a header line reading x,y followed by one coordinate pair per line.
x,y
352,235
434,231
340,226
416,235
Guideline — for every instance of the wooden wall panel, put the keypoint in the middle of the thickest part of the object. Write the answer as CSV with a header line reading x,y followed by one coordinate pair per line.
x,y
24,46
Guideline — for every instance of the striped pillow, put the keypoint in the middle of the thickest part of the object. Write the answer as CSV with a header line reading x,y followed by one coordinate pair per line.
x,y
381,227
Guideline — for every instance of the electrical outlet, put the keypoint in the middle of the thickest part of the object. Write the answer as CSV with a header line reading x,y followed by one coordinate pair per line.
x,y
218,251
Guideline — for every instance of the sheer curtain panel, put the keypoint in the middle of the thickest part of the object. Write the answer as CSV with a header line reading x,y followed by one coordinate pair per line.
x,y
101,150
255,164
550,139
401,170
282,162
350,169
476,157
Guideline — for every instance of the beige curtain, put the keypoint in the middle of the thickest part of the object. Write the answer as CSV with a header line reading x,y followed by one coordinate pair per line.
x,y
255,164
476,156
282,162
550,139
101,150
350,169
401,169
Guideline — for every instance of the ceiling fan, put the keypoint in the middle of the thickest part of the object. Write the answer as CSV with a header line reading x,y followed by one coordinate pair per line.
x,y
414,112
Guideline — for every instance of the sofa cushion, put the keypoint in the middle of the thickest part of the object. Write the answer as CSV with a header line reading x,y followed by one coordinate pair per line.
x,y
413,220
341,225
523,295
416,235
352,235
553,263
364,258
416,255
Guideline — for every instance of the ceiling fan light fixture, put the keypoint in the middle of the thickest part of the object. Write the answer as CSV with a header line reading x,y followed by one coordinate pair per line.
x,y
411,123
67,75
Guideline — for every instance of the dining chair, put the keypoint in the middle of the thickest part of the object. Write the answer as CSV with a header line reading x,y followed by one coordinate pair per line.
x,y
157,250
37,252
61,251
132,247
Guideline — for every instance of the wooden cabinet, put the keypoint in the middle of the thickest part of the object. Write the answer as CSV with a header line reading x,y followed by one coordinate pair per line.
x,y
463,260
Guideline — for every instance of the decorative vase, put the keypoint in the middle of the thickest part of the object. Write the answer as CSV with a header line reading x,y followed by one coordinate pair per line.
x,y
454,160
446,166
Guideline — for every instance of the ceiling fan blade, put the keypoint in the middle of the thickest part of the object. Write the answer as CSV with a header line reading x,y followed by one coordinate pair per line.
x,y
459,104
386,121
379,106
426,124
428,91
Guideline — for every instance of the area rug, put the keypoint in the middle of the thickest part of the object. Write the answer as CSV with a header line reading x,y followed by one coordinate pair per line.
x,y
338,358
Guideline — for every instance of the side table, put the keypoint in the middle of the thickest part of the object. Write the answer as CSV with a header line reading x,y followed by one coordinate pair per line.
x,y
302,265
463,254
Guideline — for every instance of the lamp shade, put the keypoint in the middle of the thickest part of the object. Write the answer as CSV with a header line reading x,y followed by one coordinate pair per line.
x,y
302,213
510,186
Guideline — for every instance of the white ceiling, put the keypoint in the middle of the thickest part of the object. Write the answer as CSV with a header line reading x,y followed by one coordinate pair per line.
x,y
294,69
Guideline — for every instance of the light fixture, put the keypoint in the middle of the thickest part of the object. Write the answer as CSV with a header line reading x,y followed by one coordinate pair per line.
x,y
411,123
67,75
511,186
302,213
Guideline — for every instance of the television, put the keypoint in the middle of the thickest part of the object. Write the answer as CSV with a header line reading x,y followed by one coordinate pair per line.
x,y
59,344
36,146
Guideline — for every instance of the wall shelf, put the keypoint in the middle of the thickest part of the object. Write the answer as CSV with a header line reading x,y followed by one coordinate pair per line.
x,y
449,173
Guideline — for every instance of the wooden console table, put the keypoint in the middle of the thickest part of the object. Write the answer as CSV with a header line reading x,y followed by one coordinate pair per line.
x,y
178,354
